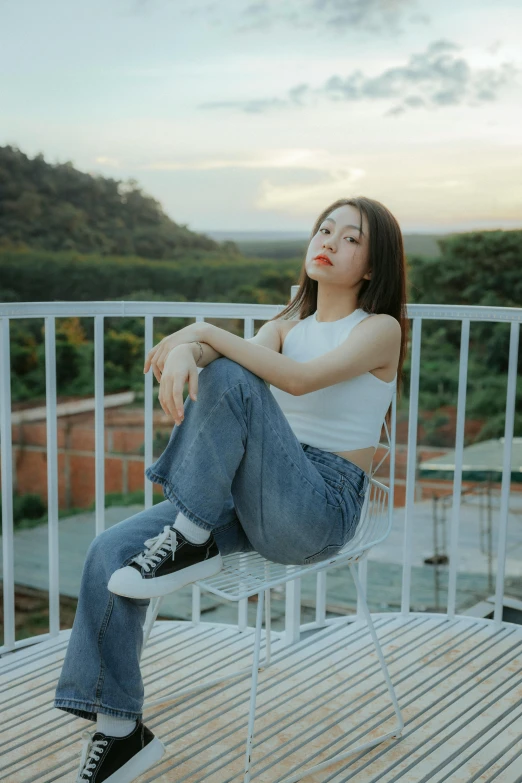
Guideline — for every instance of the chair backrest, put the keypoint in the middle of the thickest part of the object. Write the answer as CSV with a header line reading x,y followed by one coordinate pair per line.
x,y
375,521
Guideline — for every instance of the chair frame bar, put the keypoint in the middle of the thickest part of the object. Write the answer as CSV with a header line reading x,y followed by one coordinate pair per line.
x,y
256,668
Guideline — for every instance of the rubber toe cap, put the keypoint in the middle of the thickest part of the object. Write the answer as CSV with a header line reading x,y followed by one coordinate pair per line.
x,y
124,579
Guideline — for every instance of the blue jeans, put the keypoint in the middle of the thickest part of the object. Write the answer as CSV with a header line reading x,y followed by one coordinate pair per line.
x,y
235,467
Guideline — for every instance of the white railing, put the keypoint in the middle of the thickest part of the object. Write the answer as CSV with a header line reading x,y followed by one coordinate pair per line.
x,y
49,311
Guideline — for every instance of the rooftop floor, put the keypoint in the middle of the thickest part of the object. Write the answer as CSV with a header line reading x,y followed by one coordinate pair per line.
x,y
459,686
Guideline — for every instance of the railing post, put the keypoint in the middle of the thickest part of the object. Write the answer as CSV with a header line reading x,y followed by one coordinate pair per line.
x,y
292,612
293,588
411,465
457,474
506,472
7,486
52,476
99,424
148,413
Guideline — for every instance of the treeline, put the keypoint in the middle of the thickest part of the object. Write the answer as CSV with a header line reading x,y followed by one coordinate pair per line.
x,y
479,268
36,276
55,207
69,277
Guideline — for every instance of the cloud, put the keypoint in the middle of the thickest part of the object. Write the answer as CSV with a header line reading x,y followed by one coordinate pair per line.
x,y
291,180
103,160
261,16
295,197
435,78
372,15
493,49
296,158
250,107
146,8
382,16
261,105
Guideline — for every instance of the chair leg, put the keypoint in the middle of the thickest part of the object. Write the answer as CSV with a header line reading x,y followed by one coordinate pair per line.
x,y
393,734
366,611
150,619
268,620
268,628
253,689
152,613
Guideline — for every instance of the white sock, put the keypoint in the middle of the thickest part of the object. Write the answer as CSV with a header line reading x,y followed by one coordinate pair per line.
x,y
195,534
114,727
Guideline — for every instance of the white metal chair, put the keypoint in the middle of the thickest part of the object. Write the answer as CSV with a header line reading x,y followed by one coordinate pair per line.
x,y
248,573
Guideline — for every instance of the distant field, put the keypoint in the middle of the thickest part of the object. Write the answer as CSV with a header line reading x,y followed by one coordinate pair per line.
x,y
285,248
415,244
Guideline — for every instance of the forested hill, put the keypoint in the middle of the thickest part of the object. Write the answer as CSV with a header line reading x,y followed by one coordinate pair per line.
x,y
56,207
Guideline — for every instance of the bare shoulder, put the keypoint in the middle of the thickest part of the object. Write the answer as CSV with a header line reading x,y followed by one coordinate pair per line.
x,y
392,325
284,325
386,328
383,324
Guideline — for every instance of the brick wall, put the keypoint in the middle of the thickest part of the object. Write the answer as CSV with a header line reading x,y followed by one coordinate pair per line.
x,y
124,466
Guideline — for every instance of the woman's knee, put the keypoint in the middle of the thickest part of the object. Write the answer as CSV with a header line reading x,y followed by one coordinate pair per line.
x,y
98,543
226,372
107,551
221,366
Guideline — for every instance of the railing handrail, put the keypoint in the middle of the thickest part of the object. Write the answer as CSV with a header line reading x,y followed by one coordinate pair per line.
x,y
235,310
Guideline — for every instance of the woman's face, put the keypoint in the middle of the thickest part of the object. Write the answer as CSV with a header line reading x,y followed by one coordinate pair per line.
x,y
339,240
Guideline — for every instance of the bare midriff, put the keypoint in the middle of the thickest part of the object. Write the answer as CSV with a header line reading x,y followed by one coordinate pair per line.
x,y
360,457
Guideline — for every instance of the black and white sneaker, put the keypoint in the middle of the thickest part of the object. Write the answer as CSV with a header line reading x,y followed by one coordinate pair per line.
x,y
169,562
118,759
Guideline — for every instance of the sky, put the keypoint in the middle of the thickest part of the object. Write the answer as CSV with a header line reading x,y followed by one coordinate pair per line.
x,y
253,116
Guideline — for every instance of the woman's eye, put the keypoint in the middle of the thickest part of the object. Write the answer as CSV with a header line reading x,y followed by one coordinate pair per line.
x,y
326,229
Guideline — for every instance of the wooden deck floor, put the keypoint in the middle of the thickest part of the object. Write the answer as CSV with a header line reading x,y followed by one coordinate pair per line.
x,y
459,686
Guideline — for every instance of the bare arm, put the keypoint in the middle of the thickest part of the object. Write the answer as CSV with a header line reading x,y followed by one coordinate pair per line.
x,y
268,335
208,355
173,374
275,368
376,340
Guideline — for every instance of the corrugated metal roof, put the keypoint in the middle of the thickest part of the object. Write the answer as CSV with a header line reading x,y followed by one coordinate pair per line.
x,y
488,455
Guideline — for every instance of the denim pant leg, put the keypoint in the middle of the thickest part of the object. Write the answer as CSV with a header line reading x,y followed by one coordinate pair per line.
x,y
235,457
101,671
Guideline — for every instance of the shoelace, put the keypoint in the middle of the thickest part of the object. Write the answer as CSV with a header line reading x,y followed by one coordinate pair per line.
x,y
157,548
91,753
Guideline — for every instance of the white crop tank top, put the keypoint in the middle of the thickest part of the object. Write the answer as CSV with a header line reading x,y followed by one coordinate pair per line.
x,y
345,416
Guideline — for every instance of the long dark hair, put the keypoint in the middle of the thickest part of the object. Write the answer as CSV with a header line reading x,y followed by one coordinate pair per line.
x,y
385,292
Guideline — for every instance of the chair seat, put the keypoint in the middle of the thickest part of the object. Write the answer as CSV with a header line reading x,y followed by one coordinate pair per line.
x,y
247,573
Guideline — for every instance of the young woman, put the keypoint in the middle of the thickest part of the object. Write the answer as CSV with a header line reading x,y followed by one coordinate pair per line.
x,y
271,451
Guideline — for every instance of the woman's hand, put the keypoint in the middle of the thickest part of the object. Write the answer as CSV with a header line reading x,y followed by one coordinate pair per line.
x,y
179,367
157,356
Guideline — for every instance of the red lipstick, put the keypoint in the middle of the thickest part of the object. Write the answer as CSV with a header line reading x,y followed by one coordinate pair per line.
x,y
323,260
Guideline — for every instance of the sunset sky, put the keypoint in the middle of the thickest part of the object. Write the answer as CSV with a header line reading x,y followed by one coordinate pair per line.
x,y
256,115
